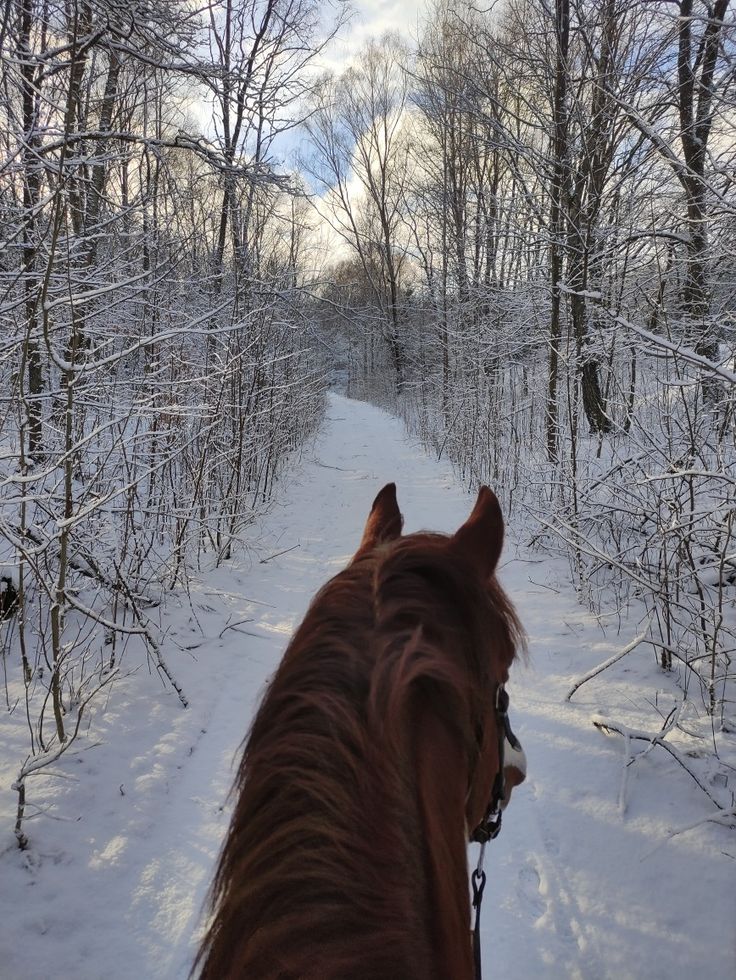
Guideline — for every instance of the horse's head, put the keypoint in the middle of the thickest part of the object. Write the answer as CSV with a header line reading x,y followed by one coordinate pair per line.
x,y
497,761
501,763
381,740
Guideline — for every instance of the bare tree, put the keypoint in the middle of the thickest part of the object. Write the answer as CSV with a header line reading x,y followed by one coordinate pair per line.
x,y
360,155
146,414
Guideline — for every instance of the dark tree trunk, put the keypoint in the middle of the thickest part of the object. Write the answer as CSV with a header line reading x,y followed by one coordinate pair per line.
x,y
695,73
557,217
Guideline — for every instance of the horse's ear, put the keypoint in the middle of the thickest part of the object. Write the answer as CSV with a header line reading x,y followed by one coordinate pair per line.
x,y
480,539
384,521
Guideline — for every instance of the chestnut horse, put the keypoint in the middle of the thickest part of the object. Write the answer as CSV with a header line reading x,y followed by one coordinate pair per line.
x,y
373,753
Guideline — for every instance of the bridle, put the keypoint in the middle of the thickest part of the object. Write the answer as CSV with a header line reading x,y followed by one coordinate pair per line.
x,y
490,826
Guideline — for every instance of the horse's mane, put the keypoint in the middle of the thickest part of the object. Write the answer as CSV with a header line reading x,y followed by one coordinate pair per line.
x,y
382,693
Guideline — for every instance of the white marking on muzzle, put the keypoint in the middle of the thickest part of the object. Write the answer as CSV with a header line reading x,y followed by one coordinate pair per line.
x,y
514,757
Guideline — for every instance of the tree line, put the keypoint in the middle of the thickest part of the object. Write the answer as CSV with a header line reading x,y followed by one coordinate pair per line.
x,y
156,368
537,207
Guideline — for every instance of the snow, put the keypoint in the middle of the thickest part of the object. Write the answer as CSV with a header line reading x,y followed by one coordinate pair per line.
x,y
586,879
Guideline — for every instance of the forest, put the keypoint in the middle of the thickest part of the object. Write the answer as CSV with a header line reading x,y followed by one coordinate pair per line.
x,y
515,230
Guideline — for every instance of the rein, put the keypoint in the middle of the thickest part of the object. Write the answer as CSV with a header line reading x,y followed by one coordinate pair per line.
x,y
490,826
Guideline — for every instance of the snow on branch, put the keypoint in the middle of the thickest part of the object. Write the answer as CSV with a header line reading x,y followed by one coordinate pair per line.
x,y
686,353
653,739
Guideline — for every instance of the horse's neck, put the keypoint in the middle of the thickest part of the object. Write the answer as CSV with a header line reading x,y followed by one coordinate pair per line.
x,y
381,889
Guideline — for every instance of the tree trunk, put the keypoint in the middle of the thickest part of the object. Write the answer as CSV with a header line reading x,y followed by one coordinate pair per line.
x,y
32,172
556,218
696,116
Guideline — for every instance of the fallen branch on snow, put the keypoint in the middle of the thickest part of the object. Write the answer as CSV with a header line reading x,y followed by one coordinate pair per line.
x,y
611,660
602,724
726,818
151,644
278,554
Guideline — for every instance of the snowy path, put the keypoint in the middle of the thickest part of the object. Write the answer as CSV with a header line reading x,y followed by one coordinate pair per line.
x,y
114,888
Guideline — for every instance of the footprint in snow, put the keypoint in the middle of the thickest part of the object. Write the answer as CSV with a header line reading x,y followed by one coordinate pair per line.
x,y
528,890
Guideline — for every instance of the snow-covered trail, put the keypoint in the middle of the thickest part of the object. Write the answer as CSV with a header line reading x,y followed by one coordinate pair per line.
x,y
575,889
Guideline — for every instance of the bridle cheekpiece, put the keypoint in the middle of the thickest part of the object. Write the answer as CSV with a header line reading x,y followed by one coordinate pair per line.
x,y
490,826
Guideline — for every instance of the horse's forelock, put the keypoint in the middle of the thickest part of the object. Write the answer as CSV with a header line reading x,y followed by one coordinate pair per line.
x,y
438,626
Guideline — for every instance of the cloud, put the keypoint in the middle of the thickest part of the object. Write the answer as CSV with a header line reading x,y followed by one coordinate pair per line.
x,y
372,19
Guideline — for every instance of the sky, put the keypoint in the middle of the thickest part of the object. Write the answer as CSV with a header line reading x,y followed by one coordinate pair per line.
x,y
372,18
368,19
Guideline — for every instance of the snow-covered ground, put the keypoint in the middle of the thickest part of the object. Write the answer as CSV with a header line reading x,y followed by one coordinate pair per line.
x,y
579,887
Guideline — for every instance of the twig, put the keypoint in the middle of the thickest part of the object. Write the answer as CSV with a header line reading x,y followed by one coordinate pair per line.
x,y
541,585
611,660
151,642
245,598
625,775
725,818
231,626
326,466
278,553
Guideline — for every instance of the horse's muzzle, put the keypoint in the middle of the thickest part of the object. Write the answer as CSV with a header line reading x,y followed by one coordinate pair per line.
x,y
514,766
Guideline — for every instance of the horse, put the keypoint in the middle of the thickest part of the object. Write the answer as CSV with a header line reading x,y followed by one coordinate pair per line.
x,y
370,761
